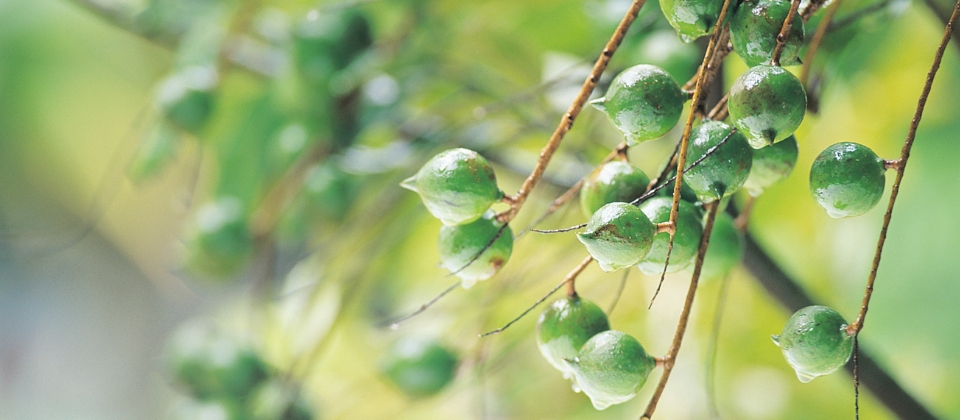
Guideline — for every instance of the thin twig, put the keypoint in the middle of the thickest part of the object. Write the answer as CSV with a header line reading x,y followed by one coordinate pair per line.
x,y
719,111
706,67
792,297
394,324
856,326
566,122
571,228
811,8
856,379
481,251
784,32
616,297
620,150
709,152
671,357
568,280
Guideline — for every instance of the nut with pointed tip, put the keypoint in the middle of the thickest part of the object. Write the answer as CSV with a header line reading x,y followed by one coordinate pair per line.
x,y
457,186
611,367
815,342
725,170
767,104
643,102
618,235
691,18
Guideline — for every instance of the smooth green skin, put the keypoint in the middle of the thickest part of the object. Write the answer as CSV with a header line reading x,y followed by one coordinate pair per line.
x,y
663,49
209,364
419,367
565,326
686,240
187,98
767,104
815,342
618,235
724,171
726,248
691,18
643,102
220,241
457,186
771,165
847,179
460,244
754,29
275,400
611,367
614,181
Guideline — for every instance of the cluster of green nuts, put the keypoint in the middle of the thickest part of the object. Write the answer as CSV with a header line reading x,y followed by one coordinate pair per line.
x,y
458,186
223,377
610,366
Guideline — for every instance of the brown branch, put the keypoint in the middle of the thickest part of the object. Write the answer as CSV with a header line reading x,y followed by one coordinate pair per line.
x,y
784,32
620,150
857,325
566,122
671,357
944,17
707,67
792,297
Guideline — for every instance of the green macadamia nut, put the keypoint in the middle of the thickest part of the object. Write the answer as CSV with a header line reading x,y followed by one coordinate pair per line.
x,y
815,342
725,170
692,18
643,102
767,104
457,186
614,181
686,240
464,248
754,29
611,367
847,179
565,326
618,235
771,165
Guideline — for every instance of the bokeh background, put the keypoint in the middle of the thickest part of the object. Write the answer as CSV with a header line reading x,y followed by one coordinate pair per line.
x,y
92,275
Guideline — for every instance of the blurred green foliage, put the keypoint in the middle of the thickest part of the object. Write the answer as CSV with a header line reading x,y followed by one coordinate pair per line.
x,y
311,131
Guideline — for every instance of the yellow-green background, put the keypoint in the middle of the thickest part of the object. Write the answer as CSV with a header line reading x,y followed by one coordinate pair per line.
x,y
83,318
